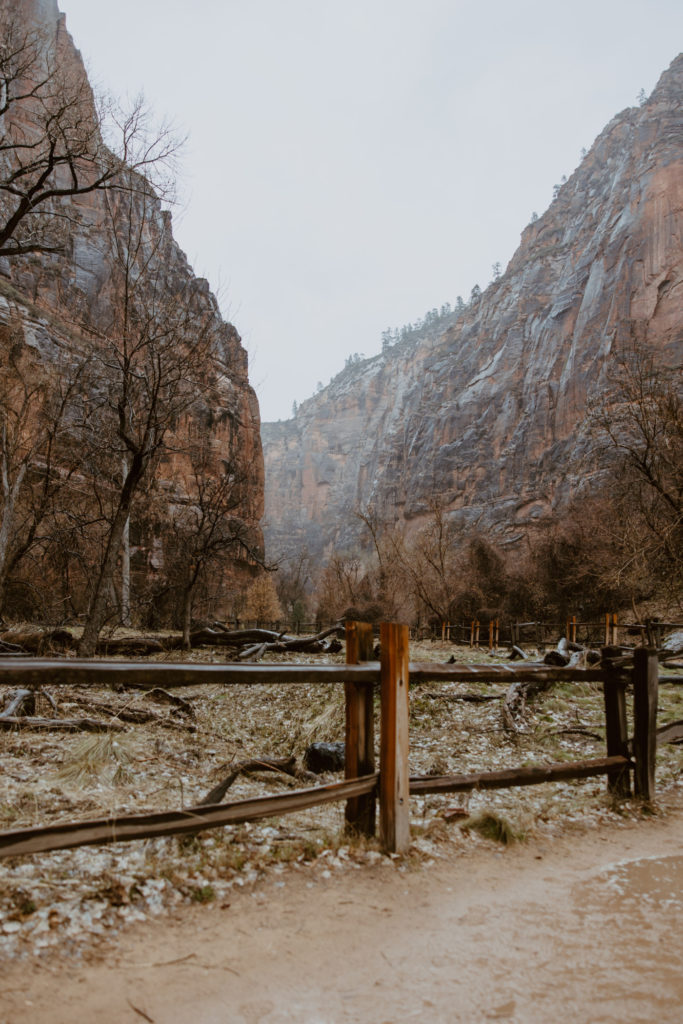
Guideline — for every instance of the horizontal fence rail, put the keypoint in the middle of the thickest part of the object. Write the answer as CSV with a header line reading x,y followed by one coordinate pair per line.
x,y
426,671
506,777
73,672
61,672
124,828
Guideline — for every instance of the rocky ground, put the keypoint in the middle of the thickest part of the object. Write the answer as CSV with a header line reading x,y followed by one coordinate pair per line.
x,y
74,900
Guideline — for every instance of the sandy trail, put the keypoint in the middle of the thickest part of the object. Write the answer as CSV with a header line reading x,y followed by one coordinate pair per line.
x,y
538,933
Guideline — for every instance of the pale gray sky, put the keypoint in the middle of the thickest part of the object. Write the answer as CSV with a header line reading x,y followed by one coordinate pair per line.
x,y
353,163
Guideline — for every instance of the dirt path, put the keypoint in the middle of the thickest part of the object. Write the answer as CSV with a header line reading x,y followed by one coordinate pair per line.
x,y
537,933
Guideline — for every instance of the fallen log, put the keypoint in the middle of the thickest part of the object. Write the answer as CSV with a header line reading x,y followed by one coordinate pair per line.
x,y
672,732
17,700
575,732
560,656
164,697
208,637
516,699
49,698
255,652
7,649
130,646
312,644
264,764
37,641
253,638
303,643
126,713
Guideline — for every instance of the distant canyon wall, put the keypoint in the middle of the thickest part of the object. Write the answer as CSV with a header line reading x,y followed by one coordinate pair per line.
x,y
488,414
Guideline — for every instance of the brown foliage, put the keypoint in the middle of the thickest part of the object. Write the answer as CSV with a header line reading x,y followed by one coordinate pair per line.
x,y
261,604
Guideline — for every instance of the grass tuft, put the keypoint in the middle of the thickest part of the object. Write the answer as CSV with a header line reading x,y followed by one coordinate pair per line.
x,y
101,757
493,826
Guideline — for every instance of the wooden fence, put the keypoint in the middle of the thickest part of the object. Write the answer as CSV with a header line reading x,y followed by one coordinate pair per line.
x,y
364,787
608,631
496,632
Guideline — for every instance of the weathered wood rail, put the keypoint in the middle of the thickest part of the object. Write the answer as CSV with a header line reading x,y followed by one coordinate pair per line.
x,y
363,787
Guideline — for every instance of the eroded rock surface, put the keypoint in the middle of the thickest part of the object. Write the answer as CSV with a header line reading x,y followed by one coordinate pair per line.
x,y
489,413
52,296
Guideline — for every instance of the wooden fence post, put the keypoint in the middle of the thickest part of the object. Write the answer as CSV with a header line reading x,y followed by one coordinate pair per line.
x,y
394,783
360,729
616,727
645,692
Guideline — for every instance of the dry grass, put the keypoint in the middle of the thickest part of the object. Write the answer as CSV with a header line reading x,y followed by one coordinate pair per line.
x,y
493,826
105,757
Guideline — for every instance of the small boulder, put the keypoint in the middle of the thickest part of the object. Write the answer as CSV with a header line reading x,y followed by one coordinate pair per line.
x,y
325,757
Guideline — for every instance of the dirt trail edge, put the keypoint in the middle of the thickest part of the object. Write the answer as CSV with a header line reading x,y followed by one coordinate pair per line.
x,y
539,932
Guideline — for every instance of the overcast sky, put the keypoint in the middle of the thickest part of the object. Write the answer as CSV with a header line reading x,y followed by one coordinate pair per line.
x,y
353,163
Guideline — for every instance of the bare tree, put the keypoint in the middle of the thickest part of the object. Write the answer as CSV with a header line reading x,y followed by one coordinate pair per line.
x,y
449,570
638,440
429,564
58,141
211,521
152,336
293,579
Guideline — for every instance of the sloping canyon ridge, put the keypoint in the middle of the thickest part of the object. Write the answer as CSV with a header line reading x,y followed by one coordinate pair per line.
x,y
485,409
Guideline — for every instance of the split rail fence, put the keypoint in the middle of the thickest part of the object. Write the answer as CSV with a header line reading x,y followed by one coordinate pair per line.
x,y
364,787
607,631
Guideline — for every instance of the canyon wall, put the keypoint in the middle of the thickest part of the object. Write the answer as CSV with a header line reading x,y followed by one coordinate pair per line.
x,y
60,298
488,414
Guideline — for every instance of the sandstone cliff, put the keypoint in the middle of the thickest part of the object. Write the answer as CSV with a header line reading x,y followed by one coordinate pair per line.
x,y
488,413
52,295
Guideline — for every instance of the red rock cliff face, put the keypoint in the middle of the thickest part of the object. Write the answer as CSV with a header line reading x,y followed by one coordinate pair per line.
x,y
489,414
49,293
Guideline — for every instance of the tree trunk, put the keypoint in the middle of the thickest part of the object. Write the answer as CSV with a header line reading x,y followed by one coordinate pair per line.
x,y
187,618
97,612
10,495
125,564
125,575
